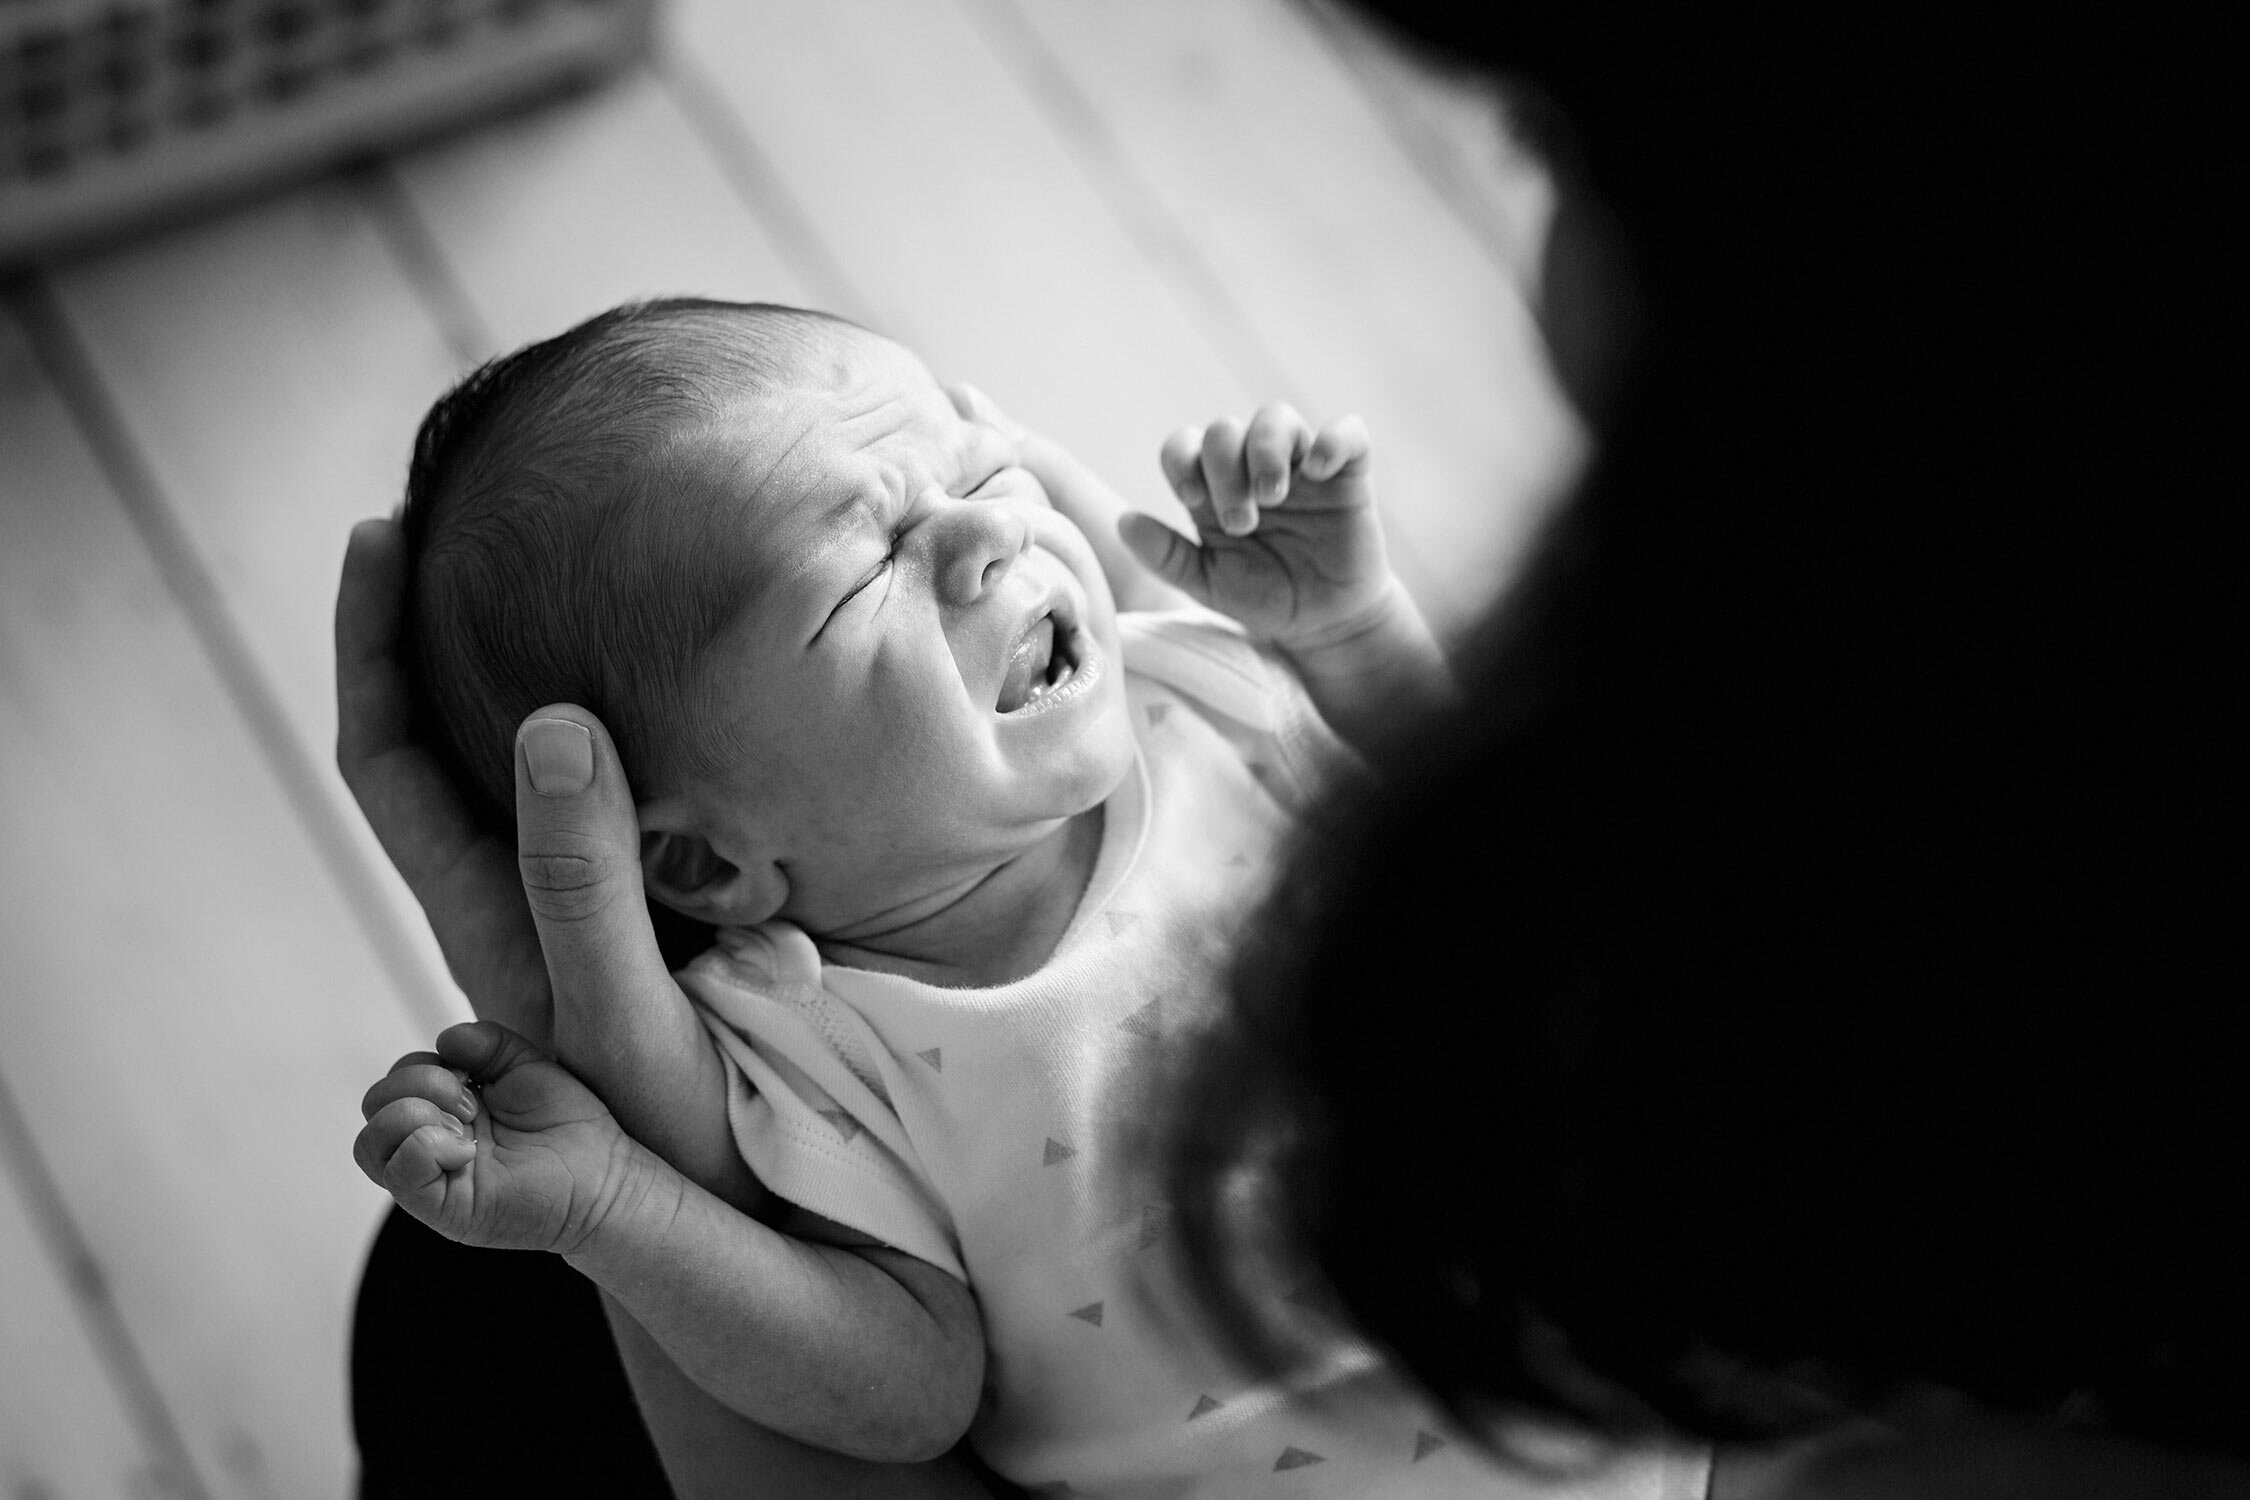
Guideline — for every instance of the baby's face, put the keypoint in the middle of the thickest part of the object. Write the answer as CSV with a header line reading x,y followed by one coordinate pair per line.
x,y
924,675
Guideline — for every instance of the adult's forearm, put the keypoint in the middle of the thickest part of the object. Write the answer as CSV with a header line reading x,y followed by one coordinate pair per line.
x,y
868,1353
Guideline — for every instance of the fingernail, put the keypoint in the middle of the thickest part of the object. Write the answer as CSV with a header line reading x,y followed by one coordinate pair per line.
x,y
559,755
468,1105
461,1130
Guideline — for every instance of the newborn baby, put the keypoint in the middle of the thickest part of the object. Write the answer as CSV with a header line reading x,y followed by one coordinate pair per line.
x,y
973,843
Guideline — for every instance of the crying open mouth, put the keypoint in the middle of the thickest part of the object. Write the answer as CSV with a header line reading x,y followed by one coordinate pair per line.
x,y
1038,665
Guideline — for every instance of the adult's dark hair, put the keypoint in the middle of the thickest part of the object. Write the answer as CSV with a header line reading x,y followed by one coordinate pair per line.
x,y
554,547
1811,950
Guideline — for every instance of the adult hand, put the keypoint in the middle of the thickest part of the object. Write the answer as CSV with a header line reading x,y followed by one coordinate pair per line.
x,y
584,922
624,1025
1079,493
462,873
556,915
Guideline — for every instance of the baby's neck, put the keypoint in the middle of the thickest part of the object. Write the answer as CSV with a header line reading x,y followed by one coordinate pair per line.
x,y
999,929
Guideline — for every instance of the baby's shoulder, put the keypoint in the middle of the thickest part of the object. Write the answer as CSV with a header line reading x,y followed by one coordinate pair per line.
x,y
768,958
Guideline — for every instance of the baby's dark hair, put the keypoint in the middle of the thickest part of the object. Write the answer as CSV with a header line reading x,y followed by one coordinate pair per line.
x,y
551,556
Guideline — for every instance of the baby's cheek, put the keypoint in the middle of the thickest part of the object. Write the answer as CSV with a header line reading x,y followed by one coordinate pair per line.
x,y
1111,743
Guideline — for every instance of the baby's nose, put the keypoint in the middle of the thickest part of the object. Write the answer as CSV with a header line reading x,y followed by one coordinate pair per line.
x,y
981,541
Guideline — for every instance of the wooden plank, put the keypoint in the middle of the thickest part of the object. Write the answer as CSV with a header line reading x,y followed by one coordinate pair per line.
x,y
270,366
1234,122
191,1010
546,219
939,186
63,1428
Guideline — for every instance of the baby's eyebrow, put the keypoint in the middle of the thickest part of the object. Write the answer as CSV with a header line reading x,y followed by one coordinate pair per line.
x,y
795,551
861,510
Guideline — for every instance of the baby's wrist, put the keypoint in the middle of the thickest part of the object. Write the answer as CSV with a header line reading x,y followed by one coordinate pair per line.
x,y
1383,626
634,1210
1379,669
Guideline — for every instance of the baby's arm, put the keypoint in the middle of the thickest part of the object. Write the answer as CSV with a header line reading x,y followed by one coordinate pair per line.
x,y
1292,548
861,1350
853,1347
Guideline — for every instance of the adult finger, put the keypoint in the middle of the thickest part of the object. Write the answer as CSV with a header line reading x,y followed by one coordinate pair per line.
x,y
578,853
423,822
1071,488
373,712
420,1079
1276,440
1228,478
462,875
1089,503
973,405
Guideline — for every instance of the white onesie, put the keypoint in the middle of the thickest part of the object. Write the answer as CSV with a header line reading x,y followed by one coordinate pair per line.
x,y
998,1133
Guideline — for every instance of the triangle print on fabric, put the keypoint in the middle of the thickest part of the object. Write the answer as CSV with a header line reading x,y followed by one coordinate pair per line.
x,y
1425,1444
935,1057
1152,1225
1090,1313
1157,712
1146,1021
1057,1151
1296,1458
1119,921
846,1126
1204,1406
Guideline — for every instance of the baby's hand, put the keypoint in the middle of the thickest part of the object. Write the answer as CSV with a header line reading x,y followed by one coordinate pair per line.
x,y
1291,545
534,1166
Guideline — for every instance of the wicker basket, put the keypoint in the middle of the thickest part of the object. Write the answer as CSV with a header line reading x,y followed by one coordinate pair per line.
x,y
113,112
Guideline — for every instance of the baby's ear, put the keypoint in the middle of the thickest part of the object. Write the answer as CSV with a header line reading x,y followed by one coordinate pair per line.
x,y
681,869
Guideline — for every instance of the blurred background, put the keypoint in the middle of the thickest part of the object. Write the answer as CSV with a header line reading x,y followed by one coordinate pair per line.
x,y
245,243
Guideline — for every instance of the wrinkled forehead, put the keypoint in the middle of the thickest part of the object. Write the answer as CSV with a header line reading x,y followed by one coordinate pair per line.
x,y
785,475
864,411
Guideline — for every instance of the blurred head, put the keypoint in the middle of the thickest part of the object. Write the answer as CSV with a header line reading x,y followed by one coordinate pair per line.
x,y
1811,1007
847,650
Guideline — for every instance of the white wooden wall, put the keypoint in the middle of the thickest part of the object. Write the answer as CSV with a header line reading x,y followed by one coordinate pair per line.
x,y
1116,216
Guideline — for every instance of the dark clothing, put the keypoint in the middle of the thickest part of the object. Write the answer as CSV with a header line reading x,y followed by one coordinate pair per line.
x,y
489,1372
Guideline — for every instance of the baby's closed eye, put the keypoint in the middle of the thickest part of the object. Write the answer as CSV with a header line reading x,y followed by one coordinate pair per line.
x,y
882,566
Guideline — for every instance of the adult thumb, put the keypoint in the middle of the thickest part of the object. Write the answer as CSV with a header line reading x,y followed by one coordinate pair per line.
x,y
578,851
